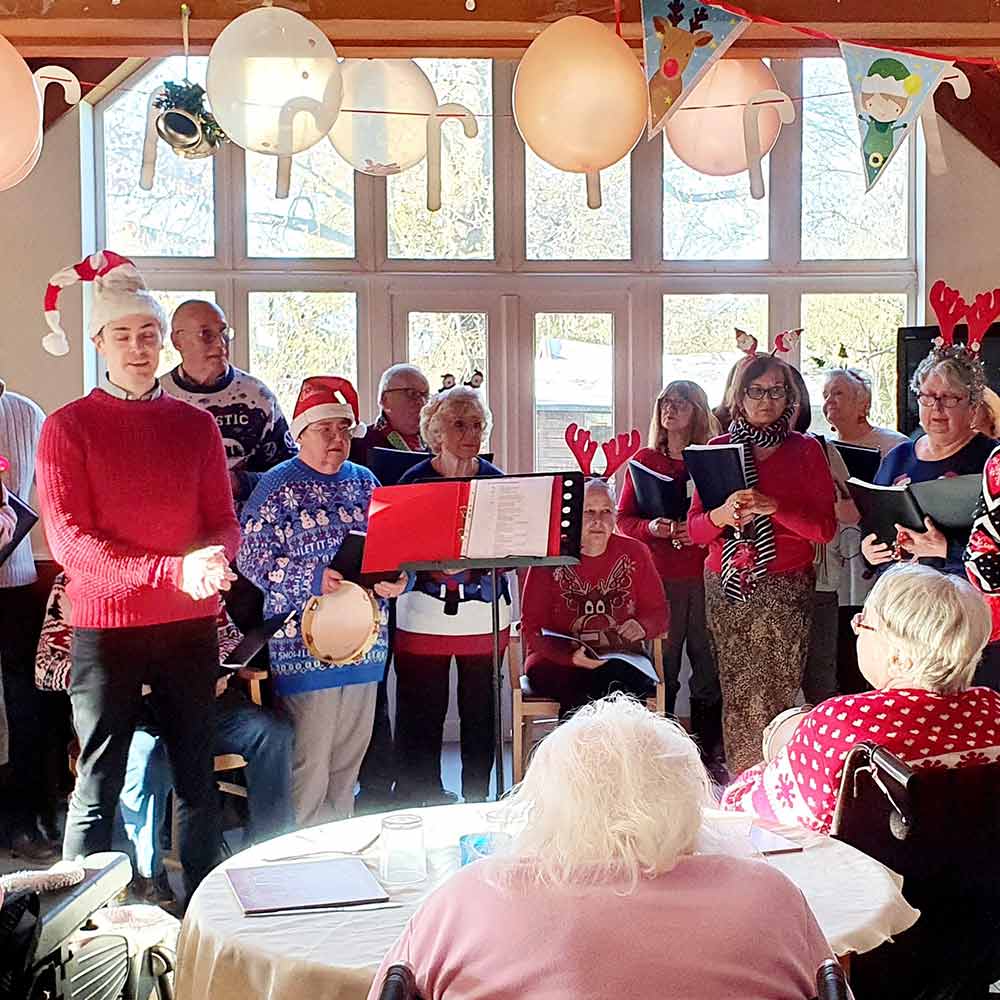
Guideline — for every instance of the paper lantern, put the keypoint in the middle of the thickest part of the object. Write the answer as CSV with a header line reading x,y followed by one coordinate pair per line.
x,y
580,97
383,144
274,82
707,130
21,114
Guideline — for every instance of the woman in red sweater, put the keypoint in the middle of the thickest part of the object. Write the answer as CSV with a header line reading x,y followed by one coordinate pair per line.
x,y
680,417
759,584
611,601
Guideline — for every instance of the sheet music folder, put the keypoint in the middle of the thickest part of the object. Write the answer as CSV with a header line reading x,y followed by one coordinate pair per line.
x,y
511,521
26,520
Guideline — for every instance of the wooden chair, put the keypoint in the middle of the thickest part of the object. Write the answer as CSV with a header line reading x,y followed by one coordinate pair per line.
x,y
530,709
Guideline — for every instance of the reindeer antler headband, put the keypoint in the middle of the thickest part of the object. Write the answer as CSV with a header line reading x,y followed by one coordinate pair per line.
x,y
617,451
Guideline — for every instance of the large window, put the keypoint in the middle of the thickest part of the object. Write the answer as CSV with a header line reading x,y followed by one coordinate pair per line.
x,y
570,314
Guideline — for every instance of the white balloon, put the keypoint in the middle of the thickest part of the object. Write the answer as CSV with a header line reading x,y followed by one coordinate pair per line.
x,y
274,82
383,144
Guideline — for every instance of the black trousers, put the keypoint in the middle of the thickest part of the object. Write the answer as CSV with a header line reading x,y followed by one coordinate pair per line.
x,y
179,661
422,688
378,769
574,687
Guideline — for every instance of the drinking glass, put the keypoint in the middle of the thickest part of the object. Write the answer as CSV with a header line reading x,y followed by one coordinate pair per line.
x,y
404,858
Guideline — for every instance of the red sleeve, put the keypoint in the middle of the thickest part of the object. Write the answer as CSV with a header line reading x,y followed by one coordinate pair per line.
x,y
537,600
700,526
67,513
217,511
630,520
809,511
652,611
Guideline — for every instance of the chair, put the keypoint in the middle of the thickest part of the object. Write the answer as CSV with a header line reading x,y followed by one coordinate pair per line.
x,y
939,829
831,981
530,709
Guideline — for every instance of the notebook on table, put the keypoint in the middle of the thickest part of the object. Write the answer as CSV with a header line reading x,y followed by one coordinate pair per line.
x,y
306,885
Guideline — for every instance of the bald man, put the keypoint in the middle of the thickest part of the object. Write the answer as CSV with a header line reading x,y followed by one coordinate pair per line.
x,y
254,430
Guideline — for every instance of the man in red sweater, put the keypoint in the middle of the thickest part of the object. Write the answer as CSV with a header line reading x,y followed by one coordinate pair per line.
x,y
137,507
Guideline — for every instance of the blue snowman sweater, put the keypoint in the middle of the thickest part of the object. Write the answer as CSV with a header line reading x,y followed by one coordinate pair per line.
x,y
293,524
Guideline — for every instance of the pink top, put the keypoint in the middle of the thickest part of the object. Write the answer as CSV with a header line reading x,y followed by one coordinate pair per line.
x,y
698,932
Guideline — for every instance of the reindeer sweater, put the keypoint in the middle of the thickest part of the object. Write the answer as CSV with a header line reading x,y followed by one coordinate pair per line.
x,y
592,600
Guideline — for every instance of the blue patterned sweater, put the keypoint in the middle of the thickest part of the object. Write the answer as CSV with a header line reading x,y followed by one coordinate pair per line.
x,y
293,525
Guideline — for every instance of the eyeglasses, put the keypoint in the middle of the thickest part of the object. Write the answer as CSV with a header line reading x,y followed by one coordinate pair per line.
x,y
207,335
759,392
671,403
947,401
413,395
461,426
858,623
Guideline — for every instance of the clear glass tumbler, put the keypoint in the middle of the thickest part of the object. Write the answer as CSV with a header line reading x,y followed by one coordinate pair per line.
x,y
404,857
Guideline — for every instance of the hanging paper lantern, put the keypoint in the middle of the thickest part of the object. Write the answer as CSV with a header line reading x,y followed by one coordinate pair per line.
x,y
21,114
580,97
274,82
707,130
371,140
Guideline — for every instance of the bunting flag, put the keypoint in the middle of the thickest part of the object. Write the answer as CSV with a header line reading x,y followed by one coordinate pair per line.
x,y
681,41
890,88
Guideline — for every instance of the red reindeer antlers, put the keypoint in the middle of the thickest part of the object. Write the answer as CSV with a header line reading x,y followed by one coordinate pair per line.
x,y
981,315
950,309
617,451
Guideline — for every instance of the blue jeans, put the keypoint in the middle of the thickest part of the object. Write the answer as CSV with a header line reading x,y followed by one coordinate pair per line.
x,y
143,801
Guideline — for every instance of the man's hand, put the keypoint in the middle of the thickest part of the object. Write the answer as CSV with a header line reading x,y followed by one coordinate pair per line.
x,y
393,589
581,659
331,581
205,572
632,631
927,544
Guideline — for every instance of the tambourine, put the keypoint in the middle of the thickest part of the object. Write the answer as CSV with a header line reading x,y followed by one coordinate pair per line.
x,y
781,729
341,627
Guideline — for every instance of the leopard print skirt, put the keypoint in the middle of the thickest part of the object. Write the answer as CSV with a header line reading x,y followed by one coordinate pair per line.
x,y
761,648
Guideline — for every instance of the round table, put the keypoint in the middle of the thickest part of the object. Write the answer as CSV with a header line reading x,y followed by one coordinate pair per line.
x,y
334,954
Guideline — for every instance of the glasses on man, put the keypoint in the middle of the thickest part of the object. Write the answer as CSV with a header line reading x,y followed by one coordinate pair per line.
x,y
760,391
413,395
209,334
858,624
946,401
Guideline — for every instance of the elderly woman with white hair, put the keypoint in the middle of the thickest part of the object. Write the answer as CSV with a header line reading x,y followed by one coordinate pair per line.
x,y
603,892
920,638
847,403
447,615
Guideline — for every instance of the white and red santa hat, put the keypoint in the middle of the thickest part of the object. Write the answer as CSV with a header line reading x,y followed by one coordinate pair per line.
x,y
119,291
326,397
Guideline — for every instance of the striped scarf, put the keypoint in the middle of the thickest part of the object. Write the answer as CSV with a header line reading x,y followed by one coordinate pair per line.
x,y
746,552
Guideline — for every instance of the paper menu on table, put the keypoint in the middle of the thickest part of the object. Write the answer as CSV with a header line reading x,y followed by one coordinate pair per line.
x,y
508,517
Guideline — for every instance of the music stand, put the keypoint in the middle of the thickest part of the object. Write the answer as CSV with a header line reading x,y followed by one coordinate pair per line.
x,y
566,522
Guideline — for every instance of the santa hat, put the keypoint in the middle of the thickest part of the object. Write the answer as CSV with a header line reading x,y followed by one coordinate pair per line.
x,y
119,291
890,76
326,397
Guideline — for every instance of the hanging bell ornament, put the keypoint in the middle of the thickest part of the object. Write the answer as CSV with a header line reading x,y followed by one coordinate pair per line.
x,y
178,129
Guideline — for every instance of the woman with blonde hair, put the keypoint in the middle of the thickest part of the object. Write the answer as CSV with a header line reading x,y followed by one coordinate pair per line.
x,y
602,885
681,416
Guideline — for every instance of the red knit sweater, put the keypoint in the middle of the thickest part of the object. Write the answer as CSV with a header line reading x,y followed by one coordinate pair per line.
x,y
798,479
126,489
592,600
686,563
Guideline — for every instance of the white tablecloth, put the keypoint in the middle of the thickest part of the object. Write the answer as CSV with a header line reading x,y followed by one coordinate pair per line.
x,y
223,955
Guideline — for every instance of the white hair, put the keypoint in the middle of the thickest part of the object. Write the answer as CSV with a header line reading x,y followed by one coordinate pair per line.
x,y
390,373
859,381
938,624
461,397
615,792
607,485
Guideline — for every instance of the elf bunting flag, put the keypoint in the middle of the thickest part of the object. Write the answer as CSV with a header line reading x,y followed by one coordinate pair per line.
x,y
681,41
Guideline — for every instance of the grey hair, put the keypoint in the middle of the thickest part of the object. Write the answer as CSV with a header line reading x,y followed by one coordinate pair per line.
x,y
390,373
461,397
608,485
961,368
937,623
617,792
860,382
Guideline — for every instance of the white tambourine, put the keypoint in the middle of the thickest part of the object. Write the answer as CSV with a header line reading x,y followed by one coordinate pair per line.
x,y
781,729
341,627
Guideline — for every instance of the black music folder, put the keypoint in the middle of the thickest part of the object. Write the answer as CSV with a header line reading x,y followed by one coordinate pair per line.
x,y
659,495
717,471
862,463
26,520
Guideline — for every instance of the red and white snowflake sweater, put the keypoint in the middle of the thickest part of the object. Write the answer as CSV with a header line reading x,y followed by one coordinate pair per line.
x,y
922,728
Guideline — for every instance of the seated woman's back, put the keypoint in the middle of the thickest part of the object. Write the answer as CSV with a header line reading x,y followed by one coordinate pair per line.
x,y
694,932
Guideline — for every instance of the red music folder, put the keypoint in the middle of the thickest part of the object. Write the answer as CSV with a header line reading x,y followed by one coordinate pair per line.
x,y
470,520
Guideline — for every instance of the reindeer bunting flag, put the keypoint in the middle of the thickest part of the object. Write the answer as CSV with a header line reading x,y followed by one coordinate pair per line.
x,y
681,41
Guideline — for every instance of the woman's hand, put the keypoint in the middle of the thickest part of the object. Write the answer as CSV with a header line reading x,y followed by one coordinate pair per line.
x,y
760,503
661,527
928,544
581,659
632,631
875,552
332,579
393,589
741,508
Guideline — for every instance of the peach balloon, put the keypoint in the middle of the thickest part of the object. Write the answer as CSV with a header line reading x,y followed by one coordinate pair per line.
x,y
12,180
706,132
20,112
580,97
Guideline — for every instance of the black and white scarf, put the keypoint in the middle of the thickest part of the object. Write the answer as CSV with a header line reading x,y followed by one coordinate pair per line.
x,y
745,554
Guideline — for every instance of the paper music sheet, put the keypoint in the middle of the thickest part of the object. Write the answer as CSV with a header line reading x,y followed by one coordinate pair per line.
x,y
508,517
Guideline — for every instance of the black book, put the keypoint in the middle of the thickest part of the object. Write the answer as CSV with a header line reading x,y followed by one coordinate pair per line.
x,y
862,463
659,495
349,558
255,640
388,465
717,471
949,502
26,520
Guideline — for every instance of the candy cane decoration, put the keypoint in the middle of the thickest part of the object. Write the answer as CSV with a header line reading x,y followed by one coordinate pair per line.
x,y
434,122
937,163
782,103
148,170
